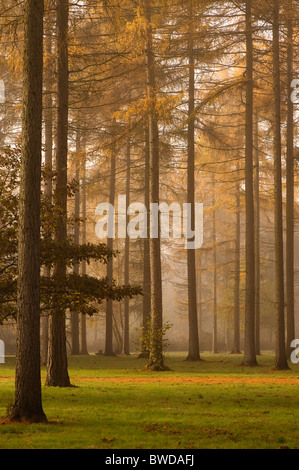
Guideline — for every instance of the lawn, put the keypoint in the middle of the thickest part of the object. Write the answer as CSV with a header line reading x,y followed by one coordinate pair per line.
x,y
115,404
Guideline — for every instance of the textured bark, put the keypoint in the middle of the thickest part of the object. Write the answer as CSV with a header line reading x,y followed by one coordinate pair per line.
x,y
156,360
215,304
257,241
236,346
146,307
193,354
290,228
126,339
57,367
249,341
28,398
83,336
109,302
280,356
48,119
75,313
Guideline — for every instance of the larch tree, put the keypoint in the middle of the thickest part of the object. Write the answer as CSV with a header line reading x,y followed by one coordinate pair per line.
x,y
156,360
28,397
57,367
290,168
194,354
249,342
281,362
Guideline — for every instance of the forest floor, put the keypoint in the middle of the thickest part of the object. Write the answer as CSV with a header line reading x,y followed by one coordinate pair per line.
x,y
117,404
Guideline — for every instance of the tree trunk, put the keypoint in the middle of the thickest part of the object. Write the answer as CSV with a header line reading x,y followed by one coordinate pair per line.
x,y
48,118
28,399
257,243
236,347
57,369
156,360
146,309
199,299
193,354
83,348
249,342
75,313
215,305
280,357
109,302
126,341
290,191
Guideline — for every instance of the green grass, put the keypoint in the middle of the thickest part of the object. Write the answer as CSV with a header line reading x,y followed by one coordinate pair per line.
x,y
111,415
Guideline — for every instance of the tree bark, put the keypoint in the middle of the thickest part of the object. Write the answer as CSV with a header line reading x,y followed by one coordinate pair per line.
x,y
280,356
236,346
83,336
48,118
126,340
75,313
215,304
57,368
290,228
28,397
193,354
249,342
109,302
257,243
156,360
146,307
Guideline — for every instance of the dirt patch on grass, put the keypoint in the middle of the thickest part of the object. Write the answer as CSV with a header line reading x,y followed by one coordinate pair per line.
x,y
193,380
220,380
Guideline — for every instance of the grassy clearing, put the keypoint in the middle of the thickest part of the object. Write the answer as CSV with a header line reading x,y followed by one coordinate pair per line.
x,y
166,415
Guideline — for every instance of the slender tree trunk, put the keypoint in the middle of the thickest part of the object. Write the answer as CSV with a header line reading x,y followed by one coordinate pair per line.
x,y
156,361
28,397
109,302
249,342
83,336
257,242
75,313
236,345
193,354
146,309
199,299
57,368
290,191
215,304
280,358
48,118
126,342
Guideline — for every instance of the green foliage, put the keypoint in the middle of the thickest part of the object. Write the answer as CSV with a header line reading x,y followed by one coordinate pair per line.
x,y
147,338
83,293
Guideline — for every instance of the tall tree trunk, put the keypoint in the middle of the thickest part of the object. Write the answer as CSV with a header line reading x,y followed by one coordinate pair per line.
x,y
249,342
236,346
83,336
75,313
57,368
215,302
290,189
126,341
257,242
199,299
109,302
48,118
28,398
280,358
156,360
146,307
193,354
